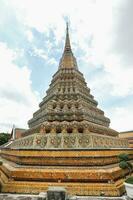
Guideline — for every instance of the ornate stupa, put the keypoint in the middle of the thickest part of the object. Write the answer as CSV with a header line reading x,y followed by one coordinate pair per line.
x,y
68,106
69,142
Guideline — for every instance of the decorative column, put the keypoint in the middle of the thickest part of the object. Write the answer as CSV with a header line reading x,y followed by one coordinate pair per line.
x,y
42,129
75,130
85,129
64,129
53,129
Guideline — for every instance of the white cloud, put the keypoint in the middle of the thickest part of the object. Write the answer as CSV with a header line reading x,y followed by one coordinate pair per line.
x,y
17,100
52,61
29,35
96,20
119,76
122,118
41,53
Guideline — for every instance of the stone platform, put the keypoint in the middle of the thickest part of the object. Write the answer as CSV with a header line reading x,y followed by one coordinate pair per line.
x,y
81,172
65,157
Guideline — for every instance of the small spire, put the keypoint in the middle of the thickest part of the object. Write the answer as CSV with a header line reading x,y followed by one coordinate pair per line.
x,y
13,133
67,42
67,28
68,60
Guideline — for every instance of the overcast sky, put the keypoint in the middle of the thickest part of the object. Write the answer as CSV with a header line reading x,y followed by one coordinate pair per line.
x,y
32,34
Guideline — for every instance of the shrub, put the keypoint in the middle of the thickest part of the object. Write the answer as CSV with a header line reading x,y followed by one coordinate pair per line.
x,y
123,157
130,165
129,180
123,165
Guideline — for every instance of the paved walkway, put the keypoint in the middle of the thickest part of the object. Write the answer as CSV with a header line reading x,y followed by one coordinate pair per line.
x,y
17,197
35,197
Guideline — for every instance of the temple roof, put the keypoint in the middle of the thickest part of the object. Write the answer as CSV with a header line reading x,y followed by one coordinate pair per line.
x,y
68,60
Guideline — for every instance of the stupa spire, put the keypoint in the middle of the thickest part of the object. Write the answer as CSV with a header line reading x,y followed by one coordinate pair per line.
x,y
67,42
68,60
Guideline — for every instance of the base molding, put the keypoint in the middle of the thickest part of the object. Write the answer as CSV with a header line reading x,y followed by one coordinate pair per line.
x,y
77,181
30,171
33,187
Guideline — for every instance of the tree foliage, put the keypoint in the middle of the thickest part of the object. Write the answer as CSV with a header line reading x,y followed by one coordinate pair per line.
x,y
4,137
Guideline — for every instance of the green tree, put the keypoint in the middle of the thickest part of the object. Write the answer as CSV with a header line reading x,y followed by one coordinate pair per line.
x,y
4,137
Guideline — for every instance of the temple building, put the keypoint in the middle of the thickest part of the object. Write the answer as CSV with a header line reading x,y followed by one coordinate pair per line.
x,y
128,135
69,142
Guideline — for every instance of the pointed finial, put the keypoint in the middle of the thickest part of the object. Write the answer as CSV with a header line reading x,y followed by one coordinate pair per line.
x,y
67,42
67,28
67,60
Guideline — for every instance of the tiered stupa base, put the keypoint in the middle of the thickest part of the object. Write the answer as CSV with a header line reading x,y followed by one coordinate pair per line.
x,y
82,171
77,181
